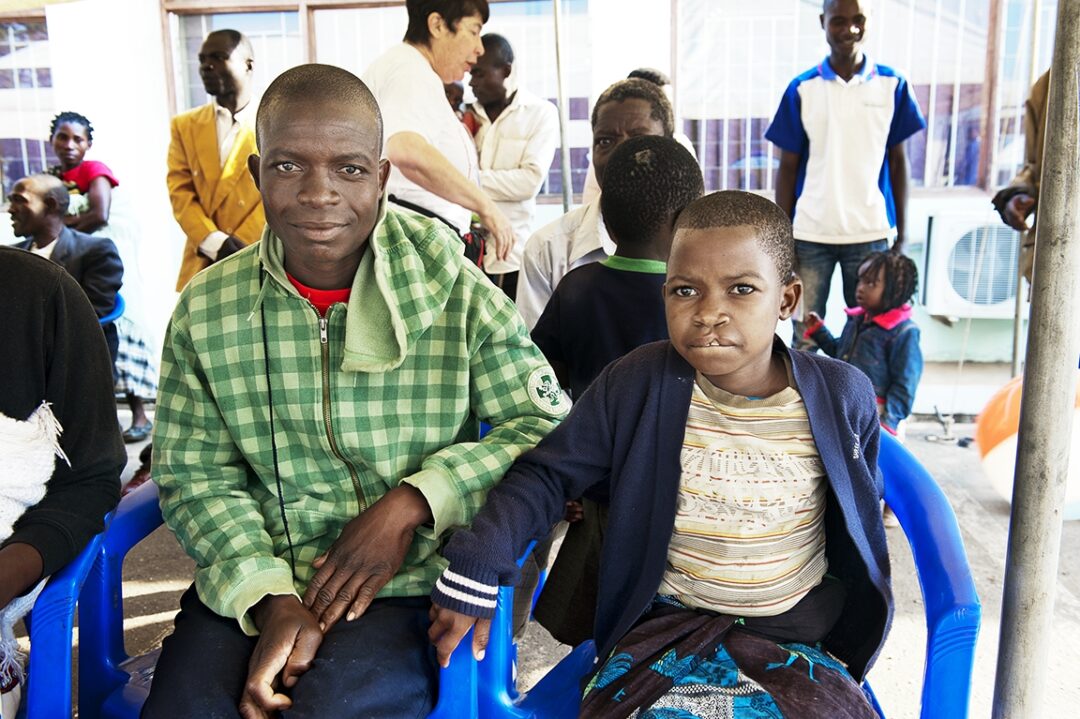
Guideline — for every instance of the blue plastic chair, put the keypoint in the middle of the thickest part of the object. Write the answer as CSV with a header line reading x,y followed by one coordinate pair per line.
x,y
115,312
50,624
953,611
115,685
952,607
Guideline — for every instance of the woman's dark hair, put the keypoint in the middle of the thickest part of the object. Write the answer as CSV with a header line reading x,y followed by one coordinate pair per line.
x,y
451,10
649,74
69,116
901,277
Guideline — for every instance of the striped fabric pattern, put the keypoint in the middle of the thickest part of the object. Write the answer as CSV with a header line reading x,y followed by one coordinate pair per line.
x,y
749,535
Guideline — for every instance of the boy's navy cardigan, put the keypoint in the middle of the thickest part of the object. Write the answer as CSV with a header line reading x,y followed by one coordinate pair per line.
x,y
621,446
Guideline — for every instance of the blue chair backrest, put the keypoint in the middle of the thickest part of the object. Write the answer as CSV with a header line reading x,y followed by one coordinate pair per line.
x,y
115,312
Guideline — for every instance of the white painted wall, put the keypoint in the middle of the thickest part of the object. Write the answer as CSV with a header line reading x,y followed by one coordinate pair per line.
x,y
120,86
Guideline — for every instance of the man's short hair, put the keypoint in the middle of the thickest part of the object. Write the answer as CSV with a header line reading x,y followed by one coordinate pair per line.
x,y
498,47
735,208
51,186
635,89
647,183
314,84
650,74
237,38
452,11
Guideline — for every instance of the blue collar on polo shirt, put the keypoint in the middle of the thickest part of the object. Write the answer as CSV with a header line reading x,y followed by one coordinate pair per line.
x,y
866,73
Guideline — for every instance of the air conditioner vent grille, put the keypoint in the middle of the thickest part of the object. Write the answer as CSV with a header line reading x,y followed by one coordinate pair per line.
x,y
982,265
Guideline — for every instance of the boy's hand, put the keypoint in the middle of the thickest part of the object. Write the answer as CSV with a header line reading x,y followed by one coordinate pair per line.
x,y
449,627
813,318
574,511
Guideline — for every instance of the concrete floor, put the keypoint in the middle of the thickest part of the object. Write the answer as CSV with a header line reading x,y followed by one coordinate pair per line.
x,y
157,572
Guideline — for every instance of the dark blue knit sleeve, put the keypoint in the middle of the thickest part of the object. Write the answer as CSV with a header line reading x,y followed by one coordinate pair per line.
x,y
524,506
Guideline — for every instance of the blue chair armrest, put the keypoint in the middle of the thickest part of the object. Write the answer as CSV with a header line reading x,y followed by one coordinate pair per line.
x,y
50,625
953,611
467,685
115,312
101,609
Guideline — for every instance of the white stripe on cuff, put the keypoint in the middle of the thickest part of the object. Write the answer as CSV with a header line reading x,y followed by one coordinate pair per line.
x,y
463,597
470,583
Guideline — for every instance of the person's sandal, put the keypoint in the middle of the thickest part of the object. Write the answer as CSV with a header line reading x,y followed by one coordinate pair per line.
x,y
135,434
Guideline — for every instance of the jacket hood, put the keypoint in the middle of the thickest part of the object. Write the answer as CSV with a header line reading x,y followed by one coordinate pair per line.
x,y
401,286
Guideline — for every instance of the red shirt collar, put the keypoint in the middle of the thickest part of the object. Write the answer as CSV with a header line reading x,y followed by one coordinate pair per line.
x,y
886,320
321,299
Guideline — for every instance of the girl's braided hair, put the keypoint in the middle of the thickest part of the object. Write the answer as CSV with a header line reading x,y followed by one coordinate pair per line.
x,y
901,277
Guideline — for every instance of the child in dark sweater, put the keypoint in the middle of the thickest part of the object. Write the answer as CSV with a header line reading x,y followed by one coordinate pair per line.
x,y
597,314
745,570
602,310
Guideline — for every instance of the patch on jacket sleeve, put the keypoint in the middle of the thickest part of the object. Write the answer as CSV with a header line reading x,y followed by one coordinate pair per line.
x,y
545,393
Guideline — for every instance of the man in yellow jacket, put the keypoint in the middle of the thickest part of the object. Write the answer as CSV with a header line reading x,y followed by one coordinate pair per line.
x,y
213,196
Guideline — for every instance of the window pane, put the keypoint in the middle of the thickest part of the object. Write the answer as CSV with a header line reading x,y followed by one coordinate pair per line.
x,y
26,101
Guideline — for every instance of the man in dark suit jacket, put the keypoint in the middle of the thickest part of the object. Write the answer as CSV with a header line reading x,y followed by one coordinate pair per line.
x,y
38,205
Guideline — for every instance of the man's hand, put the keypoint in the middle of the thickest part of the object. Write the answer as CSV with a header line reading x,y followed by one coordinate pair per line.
x,y
289,637
449,627
366,556
573,511
230,246
499,229
898,244
1017,210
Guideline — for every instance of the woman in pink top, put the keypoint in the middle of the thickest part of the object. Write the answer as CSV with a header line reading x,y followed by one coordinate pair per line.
x,y
91,184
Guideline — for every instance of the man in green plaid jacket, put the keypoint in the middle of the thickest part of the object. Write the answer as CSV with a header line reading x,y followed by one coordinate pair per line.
x,y
316,428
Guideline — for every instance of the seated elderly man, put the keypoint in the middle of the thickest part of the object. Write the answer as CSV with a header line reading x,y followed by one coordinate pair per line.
x,y
317,428
37,206
60,447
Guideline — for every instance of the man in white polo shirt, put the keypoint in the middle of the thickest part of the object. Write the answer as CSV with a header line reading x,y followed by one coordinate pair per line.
x,y
843,171
516,140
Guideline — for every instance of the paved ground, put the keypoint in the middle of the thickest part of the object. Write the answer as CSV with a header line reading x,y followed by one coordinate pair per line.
x,y
157,572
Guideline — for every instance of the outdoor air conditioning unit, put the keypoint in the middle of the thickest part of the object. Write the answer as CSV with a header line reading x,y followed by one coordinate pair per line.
x,y
971,266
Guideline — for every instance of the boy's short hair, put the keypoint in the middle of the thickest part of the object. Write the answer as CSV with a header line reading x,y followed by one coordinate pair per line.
x,y
636,89
648,181
452,11
901,277
735,208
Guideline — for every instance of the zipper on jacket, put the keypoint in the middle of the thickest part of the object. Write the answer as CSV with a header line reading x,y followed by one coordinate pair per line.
x,y
324,343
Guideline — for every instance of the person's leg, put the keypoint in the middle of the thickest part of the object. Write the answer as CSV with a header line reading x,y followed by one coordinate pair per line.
x,y
378,665
816,261
851,257
203,665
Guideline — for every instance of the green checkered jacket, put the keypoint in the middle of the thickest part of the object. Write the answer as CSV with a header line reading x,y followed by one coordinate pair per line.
x,y
387,389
